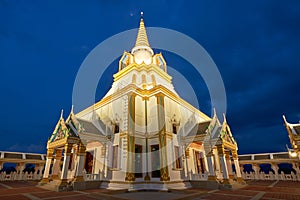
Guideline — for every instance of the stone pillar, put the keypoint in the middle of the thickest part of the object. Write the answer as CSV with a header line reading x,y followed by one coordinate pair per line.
x,y
275,167
48,164
205,163
221,153
241,168
65,169
256,169
186,167
296,167
40,169
130,139
211,168
36,168
237,166
105,167
56,164
80,162
164,171
217,163
229,164
21,167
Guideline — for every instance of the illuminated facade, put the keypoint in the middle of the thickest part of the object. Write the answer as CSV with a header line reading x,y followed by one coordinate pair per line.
x,y
294,136
141,135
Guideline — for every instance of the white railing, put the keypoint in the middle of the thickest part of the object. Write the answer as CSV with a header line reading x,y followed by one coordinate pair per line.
x,y
14,176
271,176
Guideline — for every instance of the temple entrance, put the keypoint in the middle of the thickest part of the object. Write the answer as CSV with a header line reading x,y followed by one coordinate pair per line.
x,y
155,161
138,161
89,163
199,162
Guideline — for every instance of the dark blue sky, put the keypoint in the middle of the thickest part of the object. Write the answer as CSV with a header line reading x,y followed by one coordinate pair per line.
x,y
255,44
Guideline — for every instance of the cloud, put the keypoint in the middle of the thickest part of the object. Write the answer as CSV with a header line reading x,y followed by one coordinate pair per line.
x,y
30,148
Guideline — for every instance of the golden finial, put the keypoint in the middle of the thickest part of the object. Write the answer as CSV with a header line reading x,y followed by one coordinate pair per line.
x,y
142,39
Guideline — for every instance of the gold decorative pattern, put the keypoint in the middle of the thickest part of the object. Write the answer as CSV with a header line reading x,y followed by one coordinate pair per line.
x,y
81,149
68,148
234,154
50,152
142,67
220,149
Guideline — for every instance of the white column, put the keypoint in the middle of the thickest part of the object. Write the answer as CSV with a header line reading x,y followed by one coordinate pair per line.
x,y
106,160
205,163
237,168
229,165
47,168
80,166
224,166
64,173
217,163
56,164
55,167
211,169
186,155
80,163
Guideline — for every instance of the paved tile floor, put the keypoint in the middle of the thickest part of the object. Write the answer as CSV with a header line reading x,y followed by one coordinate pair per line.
x,y
264,190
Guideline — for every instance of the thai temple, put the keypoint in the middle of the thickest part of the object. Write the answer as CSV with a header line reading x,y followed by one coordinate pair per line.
x,y
141,135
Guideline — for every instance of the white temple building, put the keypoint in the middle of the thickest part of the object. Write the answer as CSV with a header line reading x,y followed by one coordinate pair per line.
x,y
141,135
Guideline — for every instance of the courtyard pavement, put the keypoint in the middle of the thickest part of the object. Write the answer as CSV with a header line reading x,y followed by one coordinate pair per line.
x,y
263,190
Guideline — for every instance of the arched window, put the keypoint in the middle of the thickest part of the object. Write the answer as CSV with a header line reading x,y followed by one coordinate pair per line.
x,y
116,128
174,128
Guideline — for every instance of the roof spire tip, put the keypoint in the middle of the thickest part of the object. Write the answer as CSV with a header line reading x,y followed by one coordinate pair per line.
x,y
142,14
224,118
61,113
284,119
214,112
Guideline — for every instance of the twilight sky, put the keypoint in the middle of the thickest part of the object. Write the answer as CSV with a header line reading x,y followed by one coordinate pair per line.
x,y
254,43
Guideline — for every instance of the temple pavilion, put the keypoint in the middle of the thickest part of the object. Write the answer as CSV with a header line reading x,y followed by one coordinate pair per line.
x,y
293,130
141,135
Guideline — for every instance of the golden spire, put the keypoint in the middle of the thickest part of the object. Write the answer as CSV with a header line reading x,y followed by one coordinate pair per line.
x,y
142,39
142,43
